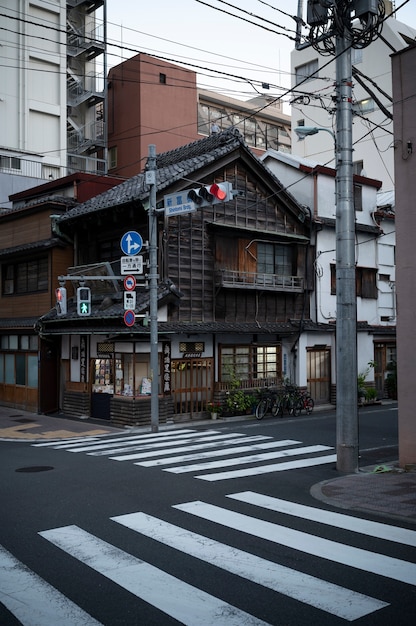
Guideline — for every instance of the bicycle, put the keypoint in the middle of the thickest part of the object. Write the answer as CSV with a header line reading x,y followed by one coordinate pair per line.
x,y
302,401
268,402
289,400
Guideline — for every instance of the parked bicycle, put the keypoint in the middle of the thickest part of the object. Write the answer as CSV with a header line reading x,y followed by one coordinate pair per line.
x,y
294,401
268,402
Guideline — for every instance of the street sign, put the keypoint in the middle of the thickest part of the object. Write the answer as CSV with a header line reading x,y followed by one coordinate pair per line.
x,y
131,243
176,203
131,265
129,318
129,300
130,284
188,207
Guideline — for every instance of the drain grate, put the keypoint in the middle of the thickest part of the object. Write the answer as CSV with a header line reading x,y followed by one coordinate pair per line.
x,y
35,468
24,420
17,415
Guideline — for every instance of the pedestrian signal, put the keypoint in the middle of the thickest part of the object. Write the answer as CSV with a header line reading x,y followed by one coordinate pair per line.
x,y
84,301
61,306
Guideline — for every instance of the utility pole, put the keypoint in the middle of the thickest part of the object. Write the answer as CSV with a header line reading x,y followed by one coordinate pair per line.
x,y
153,286
336,26
346,321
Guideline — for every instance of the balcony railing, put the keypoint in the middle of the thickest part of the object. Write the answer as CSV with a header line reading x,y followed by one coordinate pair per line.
x,y
252,280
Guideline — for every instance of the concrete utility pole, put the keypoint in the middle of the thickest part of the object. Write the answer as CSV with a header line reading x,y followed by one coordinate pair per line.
x,y
351,24
153,285
346,322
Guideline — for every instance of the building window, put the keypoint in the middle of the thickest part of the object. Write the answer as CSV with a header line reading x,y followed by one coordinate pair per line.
x,y
25,277
19,360
365,282
358,197
162,79
274,259
112,157
242,362
307,71
358,167
9,163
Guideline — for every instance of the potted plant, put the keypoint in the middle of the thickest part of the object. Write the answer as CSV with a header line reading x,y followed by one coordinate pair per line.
x,y
215,409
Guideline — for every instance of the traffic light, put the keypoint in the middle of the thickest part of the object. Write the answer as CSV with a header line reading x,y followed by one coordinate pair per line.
x,y
84,301
60,295
211,194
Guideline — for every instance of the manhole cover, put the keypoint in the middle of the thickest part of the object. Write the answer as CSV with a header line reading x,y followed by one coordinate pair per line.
x,y
35,468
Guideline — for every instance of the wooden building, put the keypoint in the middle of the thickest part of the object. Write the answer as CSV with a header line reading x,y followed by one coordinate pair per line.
x,y
234,288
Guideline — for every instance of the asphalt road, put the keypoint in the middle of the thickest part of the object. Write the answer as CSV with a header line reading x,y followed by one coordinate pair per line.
x,y
137,529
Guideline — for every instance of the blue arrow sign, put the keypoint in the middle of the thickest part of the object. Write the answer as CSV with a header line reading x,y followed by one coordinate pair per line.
x,y
131,243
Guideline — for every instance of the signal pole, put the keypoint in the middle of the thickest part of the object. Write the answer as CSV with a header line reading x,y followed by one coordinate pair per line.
x,y
153,280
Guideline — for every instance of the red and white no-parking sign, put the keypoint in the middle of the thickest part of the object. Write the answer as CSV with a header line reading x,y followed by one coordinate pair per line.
x,y
129,283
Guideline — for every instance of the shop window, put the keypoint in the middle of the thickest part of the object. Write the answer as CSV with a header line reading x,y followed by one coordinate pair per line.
x,y
250,362
9,371
32,370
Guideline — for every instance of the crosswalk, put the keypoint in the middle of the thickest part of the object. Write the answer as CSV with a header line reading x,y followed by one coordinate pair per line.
x,y
270,520
208,455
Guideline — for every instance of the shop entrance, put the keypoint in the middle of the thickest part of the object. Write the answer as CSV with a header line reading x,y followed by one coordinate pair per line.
x,y
192,384
102,388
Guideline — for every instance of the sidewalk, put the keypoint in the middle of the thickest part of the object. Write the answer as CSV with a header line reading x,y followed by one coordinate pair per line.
x,y
381,489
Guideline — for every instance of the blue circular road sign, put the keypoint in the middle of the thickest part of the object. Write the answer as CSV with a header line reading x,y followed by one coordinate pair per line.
x,y
131,243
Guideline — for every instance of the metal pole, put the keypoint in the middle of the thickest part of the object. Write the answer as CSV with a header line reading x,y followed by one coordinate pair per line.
x,y
346,324
153,282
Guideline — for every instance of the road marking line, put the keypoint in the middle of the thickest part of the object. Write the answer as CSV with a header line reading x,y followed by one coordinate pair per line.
x,y
144,437
329,518
269,469
182,601
219,440
227,451
326,596
252,458
365,560
32,600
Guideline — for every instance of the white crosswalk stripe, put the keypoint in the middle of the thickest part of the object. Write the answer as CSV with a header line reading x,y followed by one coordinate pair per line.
x,y
35,602
201,452
320,594
186,603
381,565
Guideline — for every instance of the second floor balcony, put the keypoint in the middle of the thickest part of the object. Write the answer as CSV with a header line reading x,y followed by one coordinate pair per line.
x,y
251,280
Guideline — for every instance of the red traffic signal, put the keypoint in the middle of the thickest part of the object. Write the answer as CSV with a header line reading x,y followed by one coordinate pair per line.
x,y
218,192
211,194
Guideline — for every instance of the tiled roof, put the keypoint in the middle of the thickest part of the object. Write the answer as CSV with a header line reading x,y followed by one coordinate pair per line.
x,y
46,244
172,166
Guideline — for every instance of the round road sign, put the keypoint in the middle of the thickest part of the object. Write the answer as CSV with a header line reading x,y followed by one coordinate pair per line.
x,y
129,283
129,318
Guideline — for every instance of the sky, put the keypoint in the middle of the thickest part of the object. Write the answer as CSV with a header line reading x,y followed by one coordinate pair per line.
x,y
233,51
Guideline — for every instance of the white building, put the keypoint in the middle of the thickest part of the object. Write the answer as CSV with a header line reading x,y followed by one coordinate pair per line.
x,y
312,103
51,94
313,185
